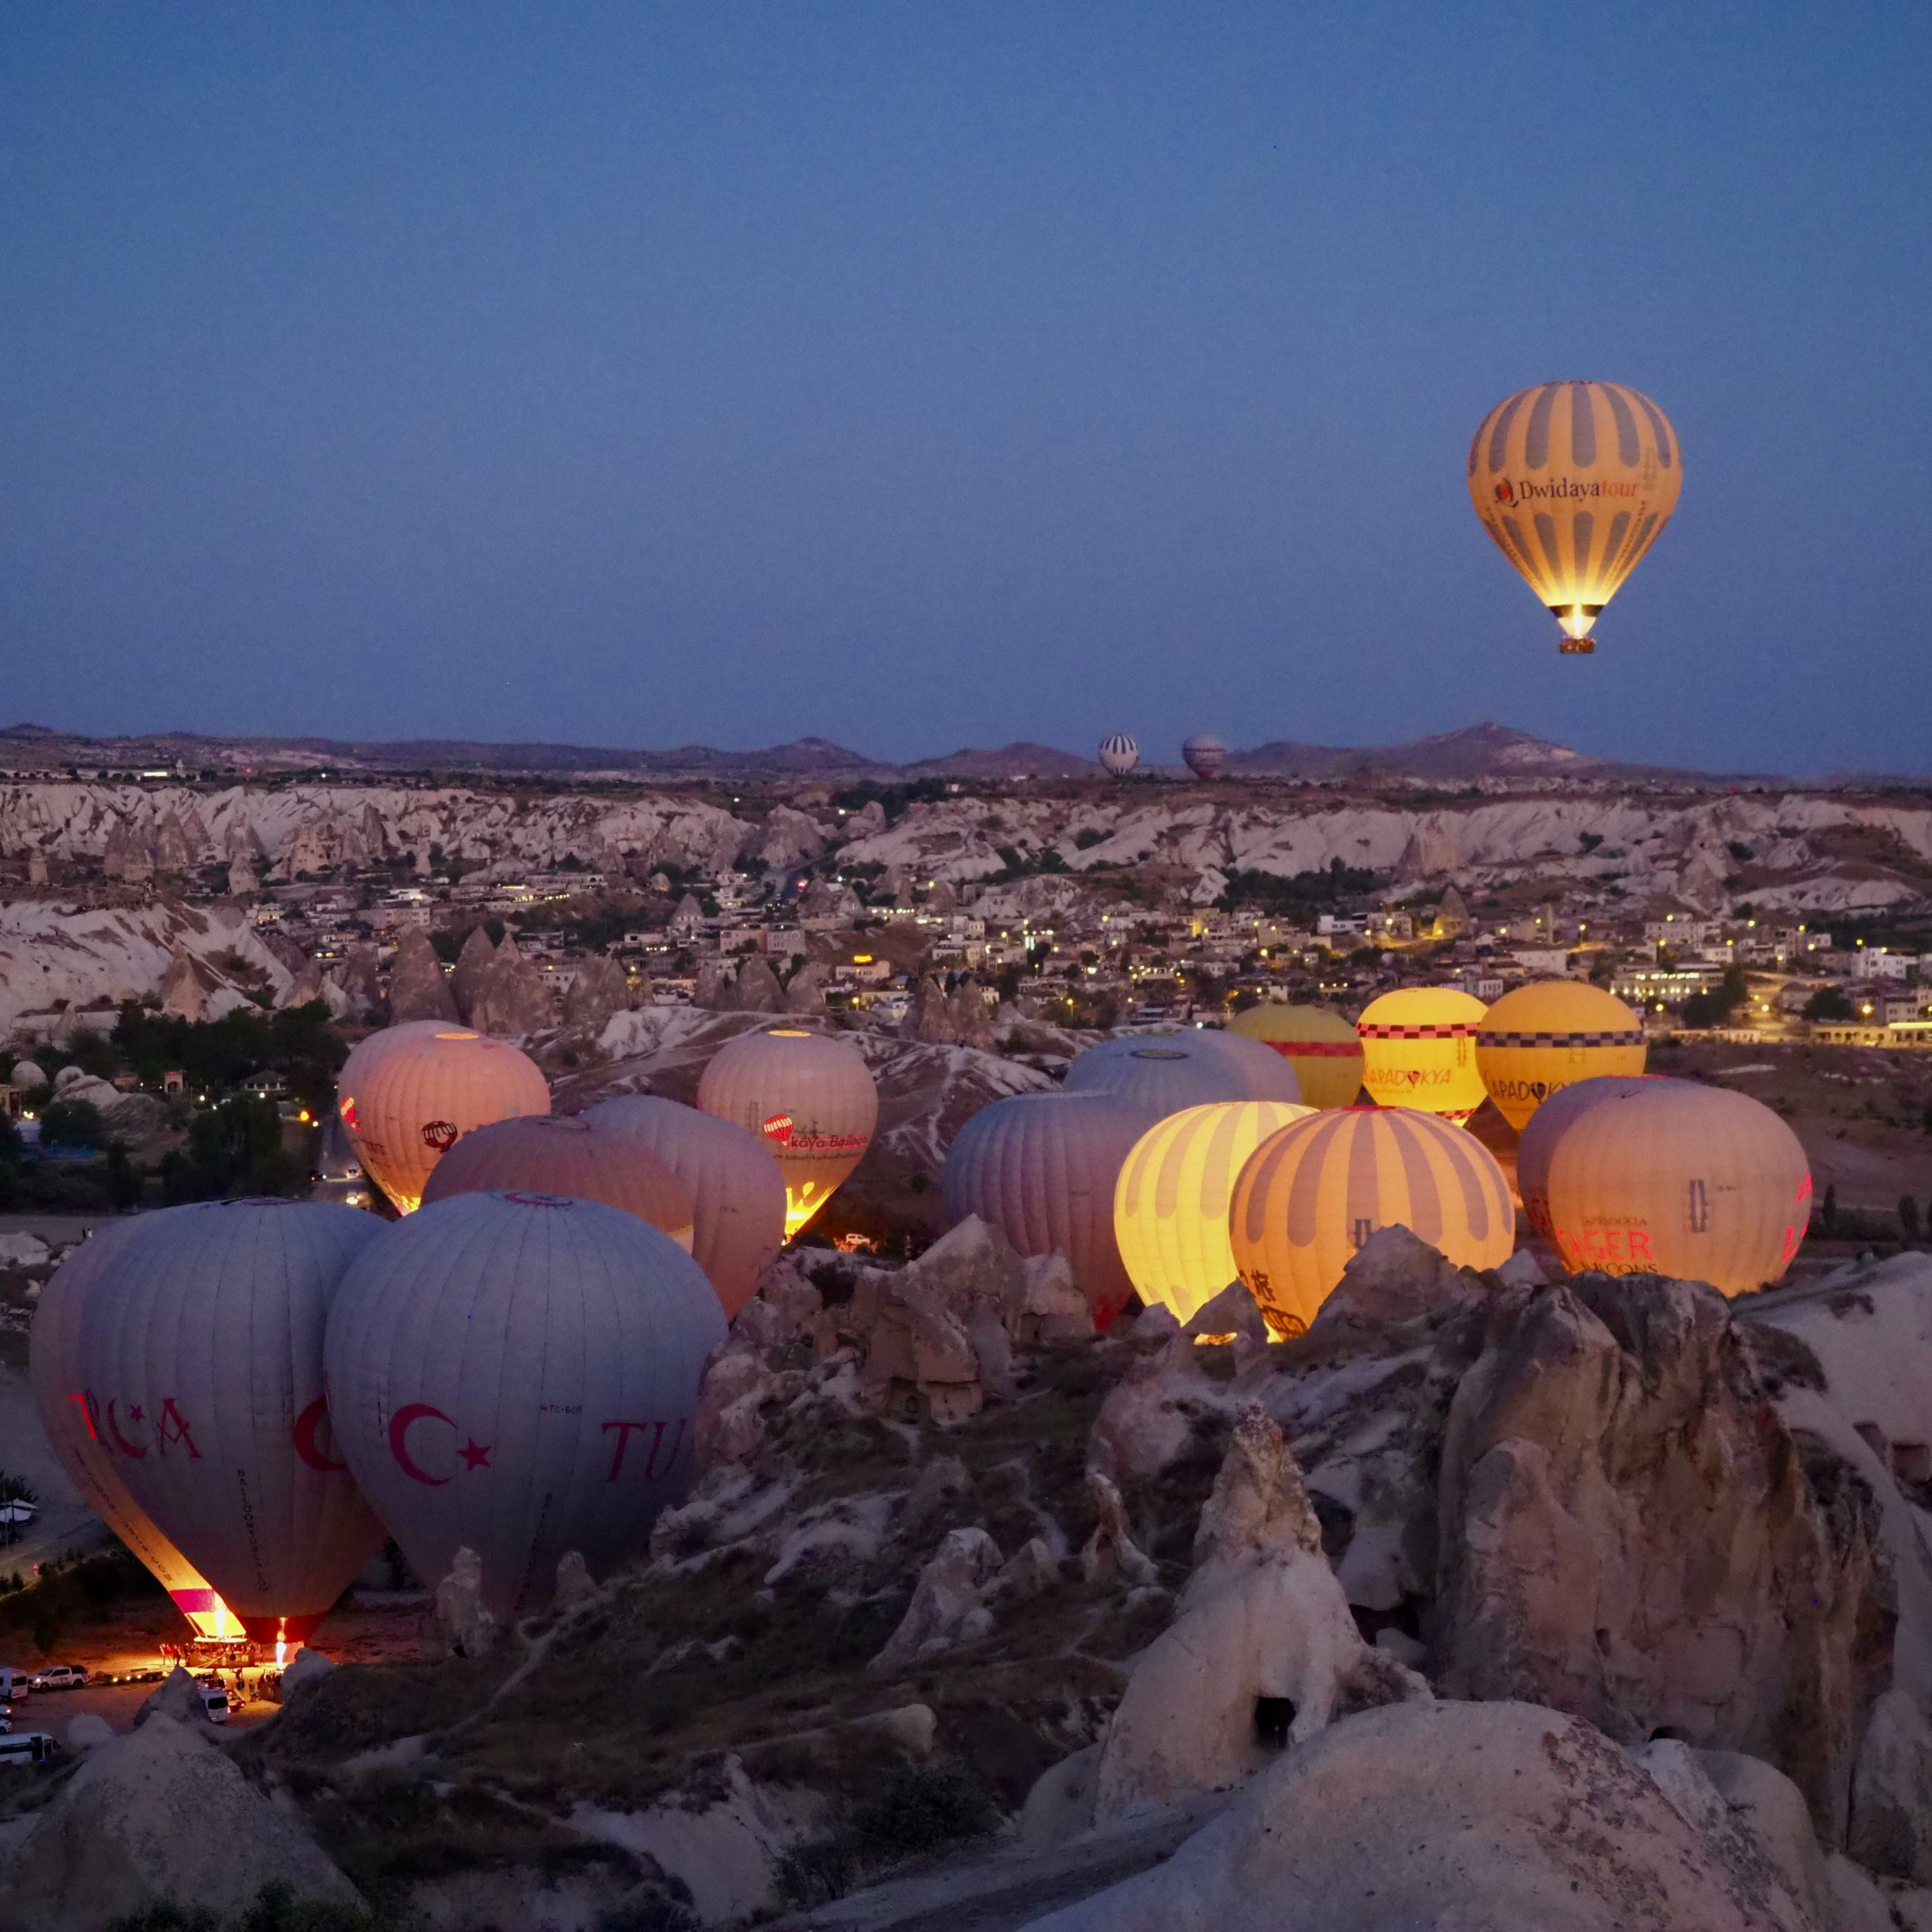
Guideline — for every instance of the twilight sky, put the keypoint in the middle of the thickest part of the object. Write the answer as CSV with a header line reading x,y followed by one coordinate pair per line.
x,y
920,375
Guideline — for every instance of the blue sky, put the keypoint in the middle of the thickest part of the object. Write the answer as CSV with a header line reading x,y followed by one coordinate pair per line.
x,y
922,375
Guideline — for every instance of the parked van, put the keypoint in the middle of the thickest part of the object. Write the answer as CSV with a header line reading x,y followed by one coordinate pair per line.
x,y
20,1749
214,1701
13,1684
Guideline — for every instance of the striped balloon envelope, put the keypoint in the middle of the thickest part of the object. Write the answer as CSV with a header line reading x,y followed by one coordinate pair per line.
x,y
78,1428
1040,1168
1159,1074
408,1093
1547,1126
1545,1036
1573,482
201,1351
1170,1203
810,1099
1419,1050
1674,1178
1320,1046
1311,1194
570,1154
1118,754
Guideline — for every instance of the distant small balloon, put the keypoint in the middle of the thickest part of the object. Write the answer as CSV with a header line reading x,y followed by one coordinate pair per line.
x,y
1119,754
1205,754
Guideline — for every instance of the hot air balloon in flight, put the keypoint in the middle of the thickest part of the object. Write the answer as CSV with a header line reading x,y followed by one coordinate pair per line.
x,y
77,1425
517,1374
1545,1036
202,1352
1205,754
1419,1050
1573,482
1118,754
1040,1168
1311,1194
408,1094
1546,1127
1171,1202
738,1194
1674,1178
1321,1047
567,1154
1159,1074
810,1100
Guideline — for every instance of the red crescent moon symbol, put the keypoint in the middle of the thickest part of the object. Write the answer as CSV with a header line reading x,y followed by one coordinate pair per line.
x,y
120,1442
399,1424
308,1424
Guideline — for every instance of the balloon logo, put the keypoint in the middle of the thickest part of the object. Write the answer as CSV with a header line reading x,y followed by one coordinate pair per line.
x,y
778,1128
400,1424
440,1134
347,1113
307,1435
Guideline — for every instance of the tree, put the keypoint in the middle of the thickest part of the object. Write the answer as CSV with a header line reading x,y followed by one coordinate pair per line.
x,y
1715,1007
1828,1211
1909,1224
124,1179
71,1124
1829,1004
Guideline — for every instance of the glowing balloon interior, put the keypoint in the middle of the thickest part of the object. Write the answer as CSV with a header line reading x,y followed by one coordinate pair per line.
x,y
1574,481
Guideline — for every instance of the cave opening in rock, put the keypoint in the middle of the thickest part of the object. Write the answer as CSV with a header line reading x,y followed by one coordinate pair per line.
x,y
1272,1717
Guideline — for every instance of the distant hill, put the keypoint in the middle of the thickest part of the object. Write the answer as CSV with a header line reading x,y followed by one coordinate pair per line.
x,y
1478,752
1017,761
1491,753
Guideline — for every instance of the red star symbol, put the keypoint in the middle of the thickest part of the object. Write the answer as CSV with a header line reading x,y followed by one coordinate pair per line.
x,y
475,1455
136,1415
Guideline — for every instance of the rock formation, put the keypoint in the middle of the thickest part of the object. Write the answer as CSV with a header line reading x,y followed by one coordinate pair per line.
x,y
600,990
469,1628
472,962
1498,1817
160,1816
757,989
419,989
1628,1532
510,998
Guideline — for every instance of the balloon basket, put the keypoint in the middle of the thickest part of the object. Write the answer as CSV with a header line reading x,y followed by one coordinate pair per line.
x,y
1577,647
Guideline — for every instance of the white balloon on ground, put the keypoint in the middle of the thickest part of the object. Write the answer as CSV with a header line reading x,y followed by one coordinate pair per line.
x,y
518,1374
1040,1168
568,1154
738,1193
1162,1073
408,1093
811,1099
76,1427
204,1353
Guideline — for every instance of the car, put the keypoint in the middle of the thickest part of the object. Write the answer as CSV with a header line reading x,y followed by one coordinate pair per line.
x,y
59,1676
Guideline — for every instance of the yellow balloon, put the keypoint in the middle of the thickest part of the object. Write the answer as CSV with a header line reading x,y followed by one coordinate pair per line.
x,y
1672,1178
1419,1050
1311,1194
1320,1046
1171,1202
1544,1037
1574,480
